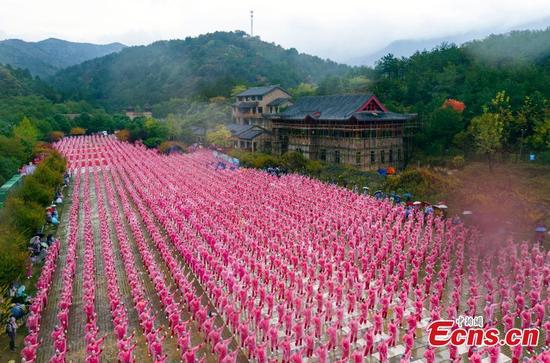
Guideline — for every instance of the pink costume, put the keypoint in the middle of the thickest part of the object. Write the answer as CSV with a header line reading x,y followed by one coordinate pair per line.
x,y
345,344
392,329
322,353
378,320
332,339
310,345
383,350
369,341
429,355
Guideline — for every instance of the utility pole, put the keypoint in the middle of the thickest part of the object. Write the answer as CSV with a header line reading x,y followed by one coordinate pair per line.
x,y
251,23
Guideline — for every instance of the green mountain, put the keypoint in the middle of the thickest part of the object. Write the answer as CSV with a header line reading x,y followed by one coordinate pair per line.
x,y
18,82
202,67
48,56
514,48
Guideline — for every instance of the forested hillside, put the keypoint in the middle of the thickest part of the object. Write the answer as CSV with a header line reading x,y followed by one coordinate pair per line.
x,y
18,82
48,56
506,75
484,75
202,67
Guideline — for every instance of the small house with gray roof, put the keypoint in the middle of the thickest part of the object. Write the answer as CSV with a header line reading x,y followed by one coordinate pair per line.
x,y
251,113
252,105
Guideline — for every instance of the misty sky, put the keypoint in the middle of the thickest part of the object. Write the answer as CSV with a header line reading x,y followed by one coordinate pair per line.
x,y
338,30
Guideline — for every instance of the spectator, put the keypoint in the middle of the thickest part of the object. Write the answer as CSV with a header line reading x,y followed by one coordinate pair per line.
x,y
11,329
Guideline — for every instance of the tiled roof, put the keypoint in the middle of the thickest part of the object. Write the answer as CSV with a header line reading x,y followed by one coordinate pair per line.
x,y
245,132
334,107
237,129
259,91
337,108
278,101
251,134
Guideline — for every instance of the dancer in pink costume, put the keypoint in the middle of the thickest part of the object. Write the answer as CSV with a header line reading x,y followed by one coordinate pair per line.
x,y
383,350
429,354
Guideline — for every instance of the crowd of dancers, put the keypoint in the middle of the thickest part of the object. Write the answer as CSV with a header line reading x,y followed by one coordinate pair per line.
x,y
296,269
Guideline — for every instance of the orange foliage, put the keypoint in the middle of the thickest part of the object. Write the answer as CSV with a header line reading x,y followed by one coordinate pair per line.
x,y
76,131
123,135
56,135
166,146
454,104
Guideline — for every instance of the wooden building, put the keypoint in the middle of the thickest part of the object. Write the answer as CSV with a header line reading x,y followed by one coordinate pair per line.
x,y
351,129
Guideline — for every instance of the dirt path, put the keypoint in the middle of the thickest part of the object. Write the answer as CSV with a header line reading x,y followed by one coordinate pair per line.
x,y
104,322
75,336
49,315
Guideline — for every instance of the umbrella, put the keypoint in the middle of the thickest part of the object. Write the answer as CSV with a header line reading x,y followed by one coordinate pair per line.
x,y
417,203
442,206
467,212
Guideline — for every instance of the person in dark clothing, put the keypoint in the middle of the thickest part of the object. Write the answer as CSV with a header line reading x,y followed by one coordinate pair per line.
x,y
11,329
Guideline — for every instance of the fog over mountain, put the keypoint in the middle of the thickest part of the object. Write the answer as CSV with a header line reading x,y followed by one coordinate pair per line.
x,y
407,47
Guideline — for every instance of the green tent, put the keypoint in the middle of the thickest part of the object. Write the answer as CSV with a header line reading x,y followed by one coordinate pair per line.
x,y
5,189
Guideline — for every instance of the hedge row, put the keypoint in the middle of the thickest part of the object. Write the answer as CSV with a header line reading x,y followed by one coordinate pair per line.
x,y
24,214
343,175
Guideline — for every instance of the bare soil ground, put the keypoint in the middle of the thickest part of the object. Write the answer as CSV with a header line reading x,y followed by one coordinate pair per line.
x,y
507,201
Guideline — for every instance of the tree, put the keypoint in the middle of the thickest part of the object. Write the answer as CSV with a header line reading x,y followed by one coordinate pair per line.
x,y
487,131
56,135
25,131
173,127
220,136
237,89
294,161
303,89
440,127
359,84
75,131
541,136
456,105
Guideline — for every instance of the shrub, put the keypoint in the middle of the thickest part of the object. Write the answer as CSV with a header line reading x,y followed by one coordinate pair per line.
x,y
33,190
294,161
152,142
12,265
123,135
27,217
458,162
75,131
56,136
167,146
42,147
419,181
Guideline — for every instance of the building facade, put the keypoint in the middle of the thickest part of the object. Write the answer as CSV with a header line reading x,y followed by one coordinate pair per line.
x,y
251,113
253,105
356,130
131,113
